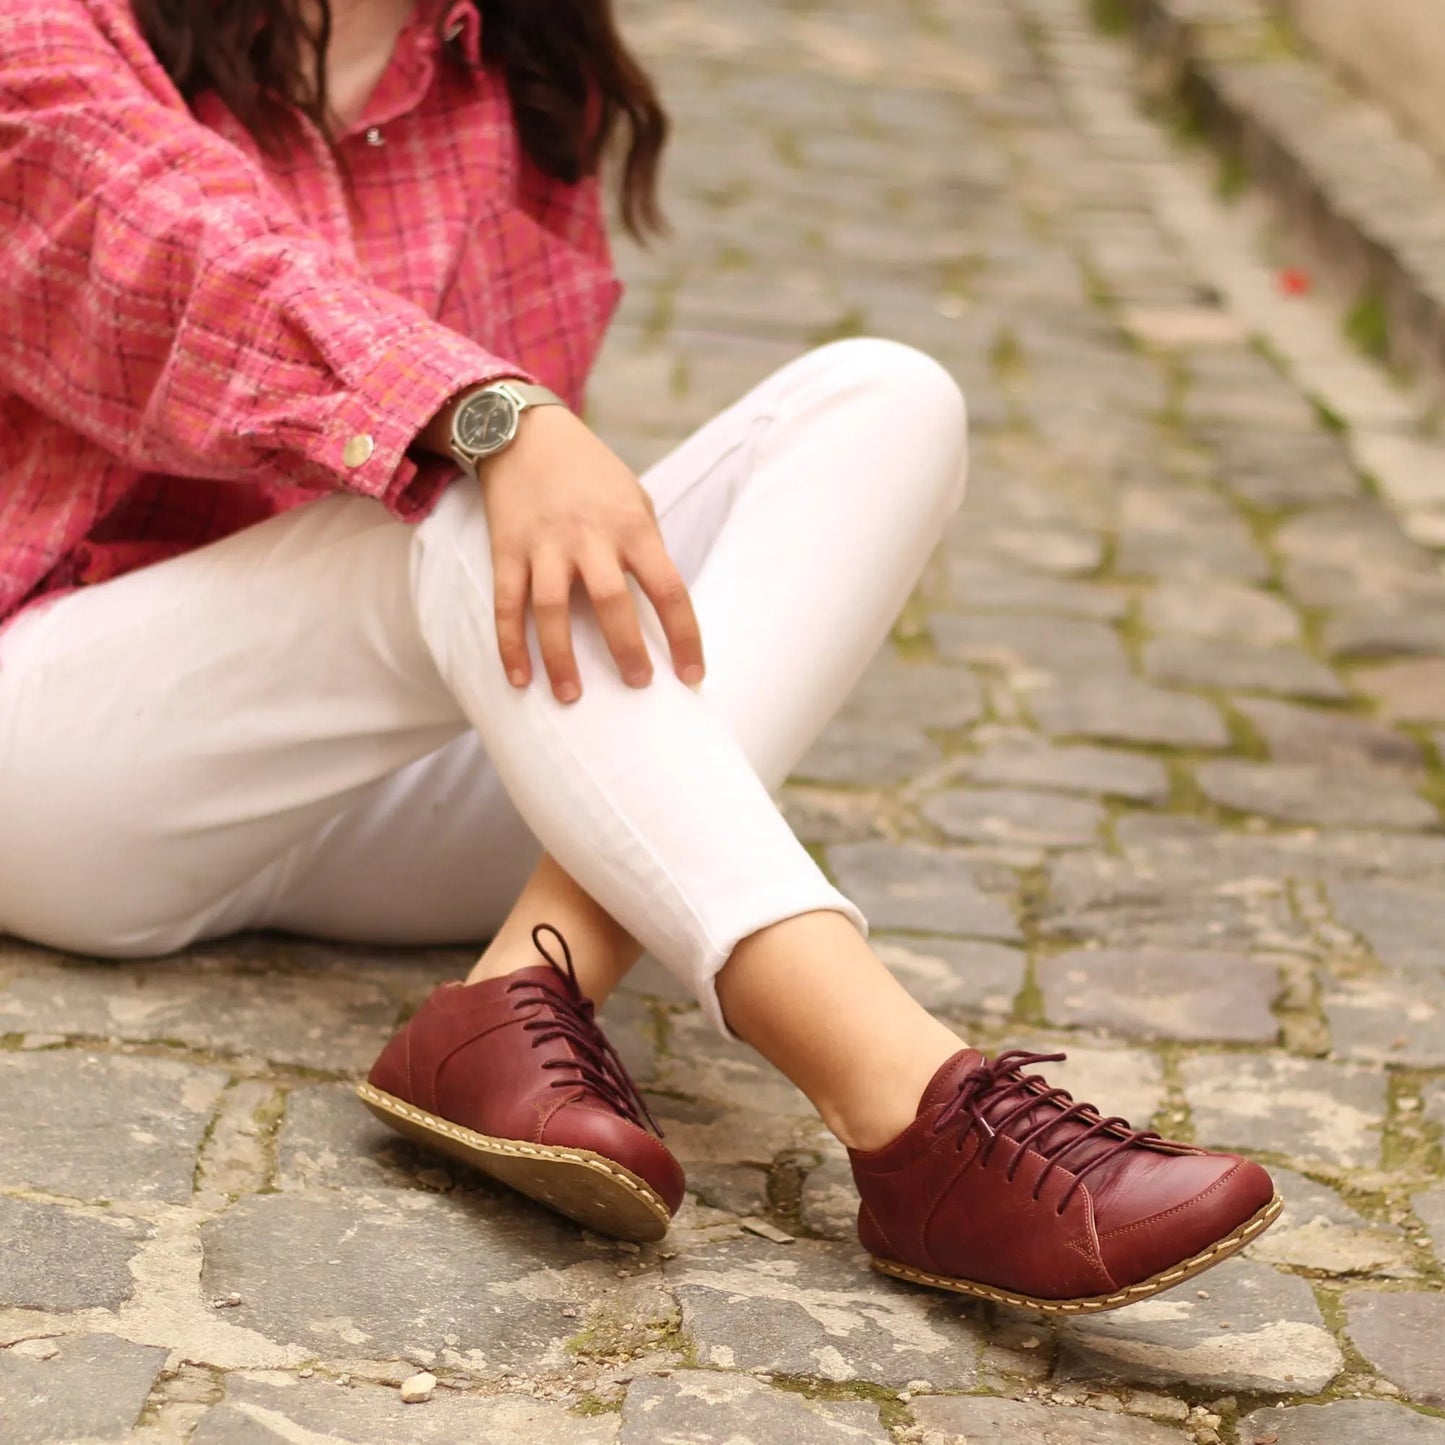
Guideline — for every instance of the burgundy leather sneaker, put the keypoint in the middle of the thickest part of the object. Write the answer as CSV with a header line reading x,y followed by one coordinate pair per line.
x,y
1005,1188
514,1077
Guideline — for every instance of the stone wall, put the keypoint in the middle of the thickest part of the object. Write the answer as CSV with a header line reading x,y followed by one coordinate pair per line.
x,y
1395,47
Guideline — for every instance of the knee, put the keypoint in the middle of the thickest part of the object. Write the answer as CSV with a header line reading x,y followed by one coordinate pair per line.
x,y
907,377
921,409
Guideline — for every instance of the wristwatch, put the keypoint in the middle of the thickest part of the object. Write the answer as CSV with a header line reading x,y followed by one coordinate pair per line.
x,y
487,419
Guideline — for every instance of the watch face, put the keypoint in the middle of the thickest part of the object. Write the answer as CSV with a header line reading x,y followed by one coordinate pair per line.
x,y
486,422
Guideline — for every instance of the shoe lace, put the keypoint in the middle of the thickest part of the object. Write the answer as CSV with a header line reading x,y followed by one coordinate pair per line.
x,y
594,1063
998,1094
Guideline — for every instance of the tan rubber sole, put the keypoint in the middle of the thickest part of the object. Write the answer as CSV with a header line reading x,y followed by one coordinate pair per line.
x,y
595,1191
1167,1279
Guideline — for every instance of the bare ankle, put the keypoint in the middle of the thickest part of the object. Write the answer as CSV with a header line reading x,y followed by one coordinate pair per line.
x,y
497,965
882,1100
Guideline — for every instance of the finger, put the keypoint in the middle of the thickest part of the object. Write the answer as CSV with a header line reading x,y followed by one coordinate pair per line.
x,y
616,610
668,593
551,605
509,584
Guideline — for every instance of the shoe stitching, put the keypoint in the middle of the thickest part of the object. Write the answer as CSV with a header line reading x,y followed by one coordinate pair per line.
x,y
490,1144
1196,1264
1175,1209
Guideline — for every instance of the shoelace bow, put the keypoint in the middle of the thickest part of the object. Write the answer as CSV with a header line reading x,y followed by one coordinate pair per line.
x,y
595,1065
982,1103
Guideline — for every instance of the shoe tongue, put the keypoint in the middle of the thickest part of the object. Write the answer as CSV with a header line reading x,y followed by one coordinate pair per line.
x,y
542,973
950,1074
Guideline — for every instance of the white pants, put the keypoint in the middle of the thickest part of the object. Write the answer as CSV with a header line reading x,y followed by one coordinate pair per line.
x,y
306,726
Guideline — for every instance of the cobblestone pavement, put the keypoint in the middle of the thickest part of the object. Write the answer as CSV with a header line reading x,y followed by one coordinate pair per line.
x,y
1152,770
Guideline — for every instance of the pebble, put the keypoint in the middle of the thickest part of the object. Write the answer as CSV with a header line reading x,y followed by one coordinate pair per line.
x,y
39,1349
764,1230
305,1374
417,1389
226,1302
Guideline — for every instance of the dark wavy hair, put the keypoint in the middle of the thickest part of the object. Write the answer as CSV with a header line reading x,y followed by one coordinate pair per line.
x,y
576,89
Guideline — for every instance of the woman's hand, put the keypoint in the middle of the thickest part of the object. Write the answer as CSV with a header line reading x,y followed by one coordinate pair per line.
x,y
563,507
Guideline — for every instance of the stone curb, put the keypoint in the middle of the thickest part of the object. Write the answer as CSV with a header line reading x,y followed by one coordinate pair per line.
x,y
1366,203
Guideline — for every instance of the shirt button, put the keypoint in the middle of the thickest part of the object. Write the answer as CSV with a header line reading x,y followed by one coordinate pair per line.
x,y
358,450
374,136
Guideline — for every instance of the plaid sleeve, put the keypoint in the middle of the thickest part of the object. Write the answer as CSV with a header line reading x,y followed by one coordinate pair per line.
x,y
163,300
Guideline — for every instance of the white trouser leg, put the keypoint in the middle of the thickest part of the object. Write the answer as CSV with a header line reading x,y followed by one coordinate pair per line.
x,y
178,748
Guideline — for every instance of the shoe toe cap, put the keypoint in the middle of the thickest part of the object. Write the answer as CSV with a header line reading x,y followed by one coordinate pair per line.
x,y
1176,1210
577,1126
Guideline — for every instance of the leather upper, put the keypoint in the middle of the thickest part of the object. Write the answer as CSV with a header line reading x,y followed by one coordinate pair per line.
x,y
1113,1207
516,1058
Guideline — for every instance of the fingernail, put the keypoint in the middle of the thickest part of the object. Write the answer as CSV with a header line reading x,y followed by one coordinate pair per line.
x,y
568,692
517,677
639,677
692,674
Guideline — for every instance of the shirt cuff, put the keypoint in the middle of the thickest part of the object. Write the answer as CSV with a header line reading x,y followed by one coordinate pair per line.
x,y
362,446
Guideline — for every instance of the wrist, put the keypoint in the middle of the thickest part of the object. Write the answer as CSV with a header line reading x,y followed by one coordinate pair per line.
x,y
436,435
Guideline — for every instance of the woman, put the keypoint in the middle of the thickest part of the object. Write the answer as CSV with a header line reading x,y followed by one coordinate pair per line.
x,y
326,612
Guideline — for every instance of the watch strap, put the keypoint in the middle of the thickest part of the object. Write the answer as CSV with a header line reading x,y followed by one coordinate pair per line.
x,y
526,393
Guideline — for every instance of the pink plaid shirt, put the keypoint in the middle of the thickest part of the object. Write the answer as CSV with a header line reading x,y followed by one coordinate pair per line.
x,y
191,333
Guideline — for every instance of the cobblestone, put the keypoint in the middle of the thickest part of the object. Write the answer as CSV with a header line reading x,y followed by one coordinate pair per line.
x,y
257,1411
92,1387
1125,710
1306,1108
1000,815
961,1418
1412,691
1162,993
1253,1328
1400,1335
686,1407
815,1312
1223,611
1319,1231
956,975
1311,737
1344,1422
1150,771
930,890
1199,662
1300,793
63,1259
1020,761
117,1128
1430,1209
